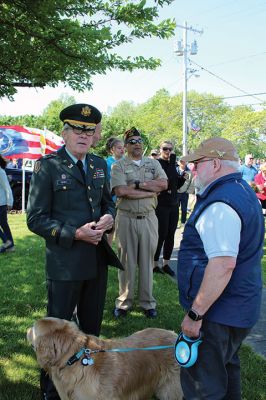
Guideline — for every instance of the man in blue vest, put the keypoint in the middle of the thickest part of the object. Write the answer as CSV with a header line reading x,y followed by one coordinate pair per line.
x,y
219,271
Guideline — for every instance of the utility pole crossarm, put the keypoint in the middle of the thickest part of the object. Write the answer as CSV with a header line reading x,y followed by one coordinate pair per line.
x,y
190,28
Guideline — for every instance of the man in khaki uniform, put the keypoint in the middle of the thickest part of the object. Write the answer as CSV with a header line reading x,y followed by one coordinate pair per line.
x,y
136,181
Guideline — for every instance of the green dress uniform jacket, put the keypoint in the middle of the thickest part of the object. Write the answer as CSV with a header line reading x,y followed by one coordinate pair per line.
x,y
59,203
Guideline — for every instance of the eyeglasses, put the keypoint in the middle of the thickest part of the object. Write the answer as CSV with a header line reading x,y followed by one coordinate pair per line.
x,y
89,131
201,161
134,141
167,149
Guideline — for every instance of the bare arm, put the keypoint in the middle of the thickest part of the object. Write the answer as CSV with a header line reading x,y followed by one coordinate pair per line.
x,y
216,277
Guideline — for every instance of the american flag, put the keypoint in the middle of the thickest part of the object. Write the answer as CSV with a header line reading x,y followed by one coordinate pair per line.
x,y
30,143
50,142
19,142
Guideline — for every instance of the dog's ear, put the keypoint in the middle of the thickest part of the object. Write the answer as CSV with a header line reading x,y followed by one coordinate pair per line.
x,y
48,325
53,340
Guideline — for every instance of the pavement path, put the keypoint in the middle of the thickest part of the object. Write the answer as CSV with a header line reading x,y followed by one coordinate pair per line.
x,y
257,337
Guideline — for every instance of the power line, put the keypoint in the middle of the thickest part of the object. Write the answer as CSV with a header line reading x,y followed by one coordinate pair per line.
x,y
237,59
229,97
225,81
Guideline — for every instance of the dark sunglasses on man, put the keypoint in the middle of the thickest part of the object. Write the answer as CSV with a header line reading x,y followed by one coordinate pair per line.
x,y
134,141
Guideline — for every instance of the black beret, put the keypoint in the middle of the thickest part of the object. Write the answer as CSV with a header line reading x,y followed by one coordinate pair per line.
x,y
81,114
131,132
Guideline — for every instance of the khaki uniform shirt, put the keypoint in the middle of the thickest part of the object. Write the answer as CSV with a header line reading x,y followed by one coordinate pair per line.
x,y
126,172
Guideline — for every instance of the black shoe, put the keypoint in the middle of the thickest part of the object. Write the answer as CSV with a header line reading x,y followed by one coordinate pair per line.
x,y
119,312
168,270
158,270
151,313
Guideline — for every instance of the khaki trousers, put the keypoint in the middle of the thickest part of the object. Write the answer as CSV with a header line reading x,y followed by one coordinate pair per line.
x,y
137,242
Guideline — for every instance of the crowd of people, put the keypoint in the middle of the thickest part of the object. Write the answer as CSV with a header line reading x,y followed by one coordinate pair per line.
x,y
79,202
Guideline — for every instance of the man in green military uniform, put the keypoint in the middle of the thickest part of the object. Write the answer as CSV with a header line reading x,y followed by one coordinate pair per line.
x,y
136,181
70,206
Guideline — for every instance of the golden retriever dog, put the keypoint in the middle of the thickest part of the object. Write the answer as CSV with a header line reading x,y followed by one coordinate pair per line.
x,y
114,375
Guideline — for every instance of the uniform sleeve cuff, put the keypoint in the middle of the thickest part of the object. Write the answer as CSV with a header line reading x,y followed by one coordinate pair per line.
x,y
67,236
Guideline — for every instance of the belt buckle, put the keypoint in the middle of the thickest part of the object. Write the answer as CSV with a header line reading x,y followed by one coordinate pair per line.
x,y
140,216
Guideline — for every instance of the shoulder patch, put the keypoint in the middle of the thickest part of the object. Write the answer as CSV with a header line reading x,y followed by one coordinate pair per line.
x,y
37,166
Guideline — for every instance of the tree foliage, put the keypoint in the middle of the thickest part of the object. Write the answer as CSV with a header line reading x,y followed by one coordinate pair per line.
x,y
160,118
47,42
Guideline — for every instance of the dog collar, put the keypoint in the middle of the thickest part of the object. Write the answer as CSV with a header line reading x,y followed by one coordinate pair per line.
x,y
85,354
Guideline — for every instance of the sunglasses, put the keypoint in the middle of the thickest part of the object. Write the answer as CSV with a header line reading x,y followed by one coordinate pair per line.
x,y
167,149
134,141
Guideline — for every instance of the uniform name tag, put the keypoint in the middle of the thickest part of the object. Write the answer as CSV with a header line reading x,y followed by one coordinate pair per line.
x,y
63,182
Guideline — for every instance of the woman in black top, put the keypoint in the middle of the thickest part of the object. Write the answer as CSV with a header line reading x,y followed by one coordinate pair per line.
x,y
167,209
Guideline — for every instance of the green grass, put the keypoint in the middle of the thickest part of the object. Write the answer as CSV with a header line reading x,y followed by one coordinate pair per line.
x,y
23,300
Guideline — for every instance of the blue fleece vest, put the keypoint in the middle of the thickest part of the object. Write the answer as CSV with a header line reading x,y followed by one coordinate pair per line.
x,y
239,304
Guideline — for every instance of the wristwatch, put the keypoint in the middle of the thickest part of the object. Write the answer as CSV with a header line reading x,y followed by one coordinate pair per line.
x,y
137,184
194,315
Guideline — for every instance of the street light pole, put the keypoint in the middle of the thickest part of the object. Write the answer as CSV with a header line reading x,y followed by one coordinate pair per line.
x,y
182,50
184,137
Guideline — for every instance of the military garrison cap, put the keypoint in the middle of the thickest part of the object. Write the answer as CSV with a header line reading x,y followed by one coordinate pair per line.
x,y
131,132
81,115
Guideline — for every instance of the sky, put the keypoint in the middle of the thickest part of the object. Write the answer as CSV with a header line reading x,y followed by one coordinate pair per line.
x,y
230,61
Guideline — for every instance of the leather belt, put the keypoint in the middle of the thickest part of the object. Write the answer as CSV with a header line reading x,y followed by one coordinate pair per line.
x,y
136,215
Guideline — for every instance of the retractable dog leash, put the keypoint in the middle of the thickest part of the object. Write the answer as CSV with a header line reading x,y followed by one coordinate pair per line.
x,y
186,350
86,359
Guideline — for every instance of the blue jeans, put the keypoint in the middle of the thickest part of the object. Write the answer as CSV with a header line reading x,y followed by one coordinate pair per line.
x,y
5,232
183,201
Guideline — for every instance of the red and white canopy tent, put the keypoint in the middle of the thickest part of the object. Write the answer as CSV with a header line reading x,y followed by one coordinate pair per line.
x,y
27,143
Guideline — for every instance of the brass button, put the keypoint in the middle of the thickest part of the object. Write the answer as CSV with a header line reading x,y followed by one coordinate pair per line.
x,y
89,187
90,199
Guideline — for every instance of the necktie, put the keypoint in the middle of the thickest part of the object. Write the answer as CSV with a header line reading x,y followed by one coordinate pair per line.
x,y
80,167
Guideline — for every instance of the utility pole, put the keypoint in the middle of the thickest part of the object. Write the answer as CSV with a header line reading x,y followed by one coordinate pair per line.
x,y
182,50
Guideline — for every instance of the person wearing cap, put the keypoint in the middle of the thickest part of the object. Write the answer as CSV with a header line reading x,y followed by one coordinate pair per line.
x,y
155,154
70,206
136,181
167,209
248,170
219,271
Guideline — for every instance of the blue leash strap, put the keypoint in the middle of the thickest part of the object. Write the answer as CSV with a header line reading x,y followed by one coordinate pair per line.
x,y
125,350
88,352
